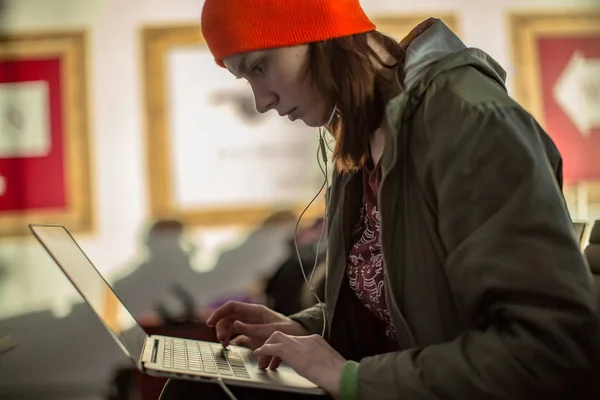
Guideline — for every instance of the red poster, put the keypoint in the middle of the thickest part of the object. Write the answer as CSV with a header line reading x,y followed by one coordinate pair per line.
x,y
570,85
32,155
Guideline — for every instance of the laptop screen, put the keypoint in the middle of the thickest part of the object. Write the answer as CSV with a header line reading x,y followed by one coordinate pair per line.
x,y
93,288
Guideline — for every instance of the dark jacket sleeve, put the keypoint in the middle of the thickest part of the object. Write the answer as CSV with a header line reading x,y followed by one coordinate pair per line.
x,y
311,319
512,263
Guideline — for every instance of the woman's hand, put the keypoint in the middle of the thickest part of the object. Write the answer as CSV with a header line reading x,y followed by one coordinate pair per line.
x,y
253,322
310,356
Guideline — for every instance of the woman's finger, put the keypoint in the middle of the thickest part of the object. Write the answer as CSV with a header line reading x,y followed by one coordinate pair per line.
x,y
271,354
274,364
242,340
220,313
237,308
262,331
280,337
271,349
264,361
224,330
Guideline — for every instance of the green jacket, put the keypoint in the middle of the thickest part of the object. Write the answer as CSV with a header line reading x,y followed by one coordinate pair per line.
x,y
488,291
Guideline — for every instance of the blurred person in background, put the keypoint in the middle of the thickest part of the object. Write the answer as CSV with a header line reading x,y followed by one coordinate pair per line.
x,y
166,271
453,271
285,290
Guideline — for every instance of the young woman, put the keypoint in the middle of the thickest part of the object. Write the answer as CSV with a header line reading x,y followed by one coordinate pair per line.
x,y
453,271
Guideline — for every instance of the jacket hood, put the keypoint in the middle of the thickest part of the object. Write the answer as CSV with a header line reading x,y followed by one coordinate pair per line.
x,y
438,50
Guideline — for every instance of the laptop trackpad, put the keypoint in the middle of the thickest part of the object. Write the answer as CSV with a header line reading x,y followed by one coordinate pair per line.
x,y
284,375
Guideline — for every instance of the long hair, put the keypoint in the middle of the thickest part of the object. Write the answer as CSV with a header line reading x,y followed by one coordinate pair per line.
x,y
348,73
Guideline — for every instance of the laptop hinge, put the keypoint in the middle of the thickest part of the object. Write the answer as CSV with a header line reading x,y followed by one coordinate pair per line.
x,y
150,350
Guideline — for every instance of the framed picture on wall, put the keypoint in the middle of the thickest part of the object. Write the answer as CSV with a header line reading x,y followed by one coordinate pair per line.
x,y
399,26
44,156
211,158
556,60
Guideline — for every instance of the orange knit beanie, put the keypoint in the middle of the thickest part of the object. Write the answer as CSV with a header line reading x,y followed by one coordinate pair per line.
x,y
236,26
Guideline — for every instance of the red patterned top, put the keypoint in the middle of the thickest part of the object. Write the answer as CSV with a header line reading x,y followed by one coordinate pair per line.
x,y
365,264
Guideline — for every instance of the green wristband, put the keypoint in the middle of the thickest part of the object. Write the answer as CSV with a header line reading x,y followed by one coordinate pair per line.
x,y
349,381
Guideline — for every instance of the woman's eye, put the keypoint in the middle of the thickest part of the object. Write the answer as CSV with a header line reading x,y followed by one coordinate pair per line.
x,y
257,67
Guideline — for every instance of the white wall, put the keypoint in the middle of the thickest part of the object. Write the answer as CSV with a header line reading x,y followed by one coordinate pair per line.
x,y
117,121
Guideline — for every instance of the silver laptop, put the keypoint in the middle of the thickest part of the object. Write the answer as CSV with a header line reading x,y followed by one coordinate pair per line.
x,y
162,356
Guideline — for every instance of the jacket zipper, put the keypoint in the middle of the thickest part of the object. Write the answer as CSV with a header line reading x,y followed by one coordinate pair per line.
x,y
405,332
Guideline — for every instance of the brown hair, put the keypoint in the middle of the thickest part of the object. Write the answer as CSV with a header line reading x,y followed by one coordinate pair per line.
x,y
345,71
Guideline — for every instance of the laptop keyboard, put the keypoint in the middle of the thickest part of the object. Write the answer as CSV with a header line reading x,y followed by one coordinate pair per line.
x,y
187,355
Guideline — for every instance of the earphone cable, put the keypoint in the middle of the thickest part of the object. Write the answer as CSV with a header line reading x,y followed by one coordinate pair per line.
x,y
309,282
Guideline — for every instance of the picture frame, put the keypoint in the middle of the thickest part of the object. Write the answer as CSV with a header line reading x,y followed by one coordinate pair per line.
x,y
45,167
159,43
551,52
399,25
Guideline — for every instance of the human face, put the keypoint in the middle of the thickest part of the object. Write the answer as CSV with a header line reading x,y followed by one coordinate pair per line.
x,y
278,80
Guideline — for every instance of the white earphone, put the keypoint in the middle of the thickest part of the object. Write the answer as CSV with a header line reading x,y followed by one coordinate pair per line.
x,y
323,153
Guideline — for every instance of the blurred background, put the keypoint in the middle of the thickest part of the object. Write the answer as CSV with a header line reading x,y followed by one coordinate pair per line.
x,y
115,122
